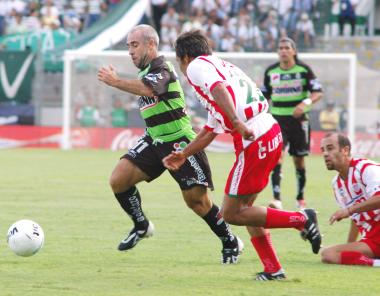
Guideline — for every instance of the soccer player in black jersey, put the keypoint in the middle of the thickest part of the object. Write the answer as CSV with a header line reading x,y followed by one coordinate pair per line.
x,y
293,88
162,106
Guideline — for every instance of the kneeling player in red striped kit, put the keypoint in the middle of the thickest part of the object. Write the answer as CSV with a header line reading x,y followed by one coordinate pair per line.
x,y
236,106
357,191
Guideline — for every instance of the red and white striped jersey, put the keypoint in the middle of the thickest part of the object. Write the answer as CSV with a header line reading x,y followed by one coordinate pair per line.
x,y
205,72
362,183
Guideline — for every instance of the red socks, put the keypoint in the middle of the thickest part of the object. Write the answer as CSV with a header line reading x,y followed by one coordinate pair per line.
x,y
355,258
284,219
266,252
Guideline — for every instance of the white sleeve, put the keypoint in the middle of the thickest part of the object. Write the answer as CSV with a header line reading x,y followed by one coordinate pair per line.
x,y
371,179
213,125
203,74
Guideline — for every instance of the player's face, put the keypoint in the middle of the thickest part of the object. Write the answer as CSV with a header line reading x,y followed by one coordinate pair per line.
x,y
138,49
183,64
286,52
333,155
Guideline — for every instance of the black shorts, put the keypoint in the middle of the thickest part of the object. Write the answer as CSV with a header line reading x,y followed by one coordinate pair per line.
x,y
147,155
295,133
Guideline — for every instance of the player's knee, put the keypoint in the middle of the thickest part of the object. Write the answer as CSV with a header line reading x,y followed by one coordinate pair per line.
x,y
329,256
228,216
118,184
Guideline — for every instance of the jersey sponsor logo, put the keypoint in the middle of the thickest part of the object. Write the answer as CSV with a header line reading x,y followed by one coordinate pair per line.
x,y
291,87
315,84
269,146
154,77
275,78
200,175
179,146
147,102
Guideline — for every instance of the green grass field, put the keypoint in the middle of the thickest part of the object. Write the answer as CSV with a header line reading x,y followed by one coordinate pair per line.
x,y
67,193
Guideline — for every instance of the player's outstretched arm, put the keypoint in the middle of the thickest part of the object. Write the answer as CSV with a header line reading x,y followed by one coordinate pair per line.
x,y
109,76
177,158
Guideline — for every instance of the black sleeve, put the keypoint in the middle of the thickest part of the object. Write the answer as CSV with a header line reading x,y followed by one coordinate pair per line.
x,y
266,88
313,84
158,81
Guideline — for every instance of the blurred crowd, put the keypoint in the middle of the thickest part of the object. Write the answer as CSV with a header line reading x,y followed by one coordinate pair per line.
x,y
232,25
238,25
21,16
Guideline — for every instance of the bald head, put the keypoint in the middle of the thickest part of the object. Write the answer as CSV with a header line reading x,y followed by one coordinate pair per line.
x,y
147,33
142,42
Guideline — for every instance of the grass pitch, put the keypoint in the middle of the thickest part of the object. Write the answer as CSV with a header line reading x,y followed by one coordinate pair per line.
x,y
67,193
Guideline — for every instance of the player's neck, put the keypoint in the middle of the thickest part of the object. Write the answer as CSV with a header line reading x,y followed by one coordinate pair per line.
x,y
343,170
286,65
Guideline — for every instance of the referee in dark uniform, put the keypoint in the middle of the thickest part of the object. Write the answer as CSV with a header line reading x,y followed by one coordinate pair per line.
x,y
292,88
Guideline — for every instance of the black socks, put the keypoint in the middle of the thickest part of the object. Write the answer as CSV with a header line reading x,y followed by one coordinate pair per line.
x,y
130,201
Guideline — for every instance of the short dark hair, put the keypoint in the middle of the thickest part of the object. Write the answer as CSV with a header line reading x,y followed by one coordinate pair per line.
x,y
192,44
343,140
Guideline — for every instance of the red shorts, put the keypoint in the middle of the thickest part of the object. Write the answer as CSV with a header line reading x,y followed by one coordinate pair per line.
x,y
372,240
254,164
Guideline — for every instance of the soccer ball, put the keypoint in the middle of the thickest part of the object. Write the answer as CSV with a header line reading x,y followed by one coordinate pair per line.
x,y
25,238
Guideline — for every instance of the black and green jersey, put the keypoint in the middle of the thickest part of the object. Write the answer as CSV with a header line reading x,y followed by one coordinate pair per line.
x,y
164,113
287,88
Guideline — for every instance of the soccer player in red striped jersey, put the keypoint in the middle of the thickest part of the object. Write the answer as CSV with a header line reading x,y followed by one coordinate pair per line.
x,y
235,105
357,191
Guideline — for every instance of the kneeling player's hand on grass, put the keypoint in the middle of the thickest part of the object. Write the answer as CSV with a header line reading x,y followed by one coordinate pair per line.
x,y
339,215
174,160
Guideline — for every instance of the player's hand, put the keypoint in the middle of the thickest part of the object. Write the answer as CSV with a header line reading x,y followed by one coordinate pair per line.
x,y
174,160
299,110
108,75
339,215
242,129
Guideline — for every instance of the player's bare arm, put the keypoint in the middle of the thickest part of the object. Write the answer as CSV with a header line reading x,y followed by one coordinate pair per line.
x,y
109,76
371,204
177,158
302,107
223,99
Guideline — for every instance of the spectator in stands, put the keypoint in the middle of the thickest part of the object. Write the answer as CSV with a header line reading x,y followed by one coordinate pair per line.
x,y
71,19
343,119
88,115
119,114
159,8
94,10
170,25
3,14
329,118
32,20
50,15
80,7
305,30
16,25
347,15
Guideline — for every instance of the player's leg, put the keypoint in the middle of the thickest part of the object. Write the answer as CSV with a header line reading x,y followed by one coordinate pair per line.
x,y
250,174
299,148
262,242
355,253
193,178
276,175
198,200
299,164
131,170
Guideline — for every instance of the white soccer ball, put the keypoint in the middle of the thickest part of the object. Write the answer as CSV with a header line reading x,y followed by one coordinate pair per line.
x,y
25,238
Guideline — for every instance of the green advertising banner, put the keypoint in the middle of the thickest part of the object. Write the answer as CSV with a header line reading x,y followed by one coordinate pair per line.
x,y
44,41
16,73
